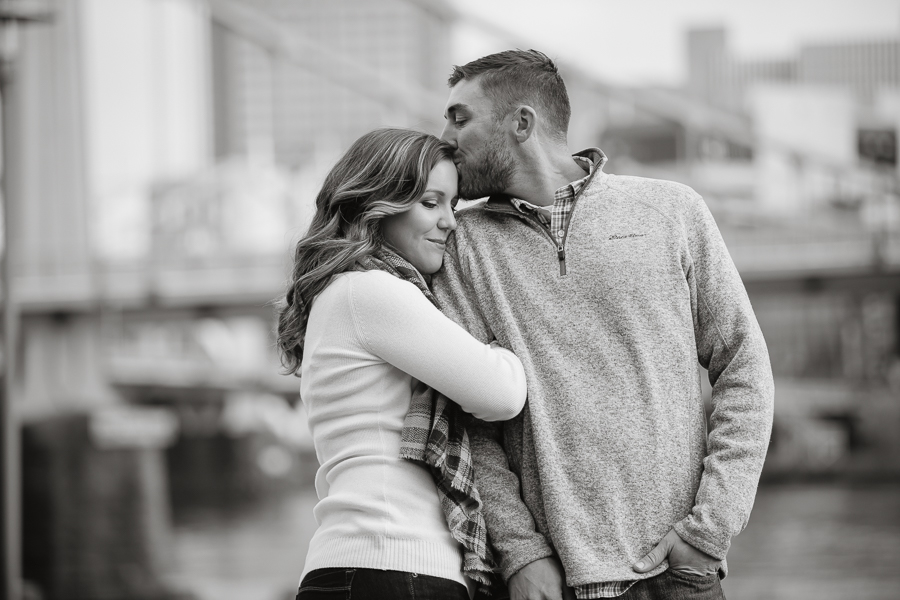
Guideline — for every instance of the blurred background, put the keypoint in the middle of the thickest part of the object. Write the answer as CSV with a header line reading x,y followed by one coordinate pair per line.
x,y
160,156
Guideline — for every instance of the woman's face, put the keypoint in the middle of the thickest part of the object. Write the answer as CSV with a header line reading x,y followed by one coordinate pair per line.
x,y
420,234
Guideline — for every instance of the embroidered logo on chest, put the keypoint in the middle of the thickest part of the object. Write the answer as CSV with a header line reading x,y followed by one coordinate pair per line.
x,y
625,236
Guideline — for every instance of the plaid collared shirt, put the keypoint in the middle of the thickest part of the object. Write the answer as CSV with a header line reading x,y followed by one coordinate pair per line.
x,y
555,219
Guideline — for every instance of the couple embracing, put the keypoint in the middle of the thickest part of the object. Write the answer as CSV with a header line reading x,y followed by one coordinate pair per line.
x,y
419,333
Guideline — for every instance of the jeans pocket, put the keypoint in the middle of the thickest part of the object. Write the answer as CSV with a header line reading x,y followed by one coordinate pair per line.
x,y
688,586
330,584
688,576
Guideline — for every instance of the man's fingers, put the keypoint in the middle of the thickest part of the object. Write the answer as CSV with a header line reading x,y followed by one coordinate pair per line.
x,y
654,558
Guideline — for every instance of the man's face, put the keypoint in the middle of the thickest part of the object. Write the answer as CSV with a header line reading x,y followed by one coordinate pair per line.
x,y
483,157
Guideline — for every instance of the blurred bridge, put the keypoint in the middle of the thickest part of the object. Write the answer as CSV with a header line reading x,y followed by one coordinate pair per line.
x,y
770,258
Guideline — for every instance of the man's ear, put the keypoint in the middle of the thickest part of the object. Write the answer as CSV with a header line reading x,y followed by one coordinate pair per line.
x,y
525,120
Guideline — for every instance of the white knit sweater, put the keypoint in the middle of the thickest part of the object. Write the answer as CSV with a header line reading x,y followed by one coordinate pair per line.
x,y
370,337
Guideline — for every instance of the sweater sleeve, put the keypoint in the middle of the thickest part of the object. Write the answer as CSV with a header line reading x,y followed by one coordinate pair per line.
x,y
399,325
509,521
731,346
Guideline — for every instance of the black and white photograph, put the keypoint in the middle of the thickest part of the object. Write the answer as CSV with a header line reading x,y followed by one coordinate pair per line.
x,y
449,300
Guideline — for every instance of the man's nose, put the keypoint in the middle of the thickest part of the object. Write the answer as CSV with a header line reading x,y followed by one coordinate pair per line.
x,y
448,135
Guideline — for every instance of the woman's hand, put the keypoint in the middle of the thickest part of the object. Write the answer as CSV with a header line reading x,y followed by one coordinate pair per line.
x,y
543,579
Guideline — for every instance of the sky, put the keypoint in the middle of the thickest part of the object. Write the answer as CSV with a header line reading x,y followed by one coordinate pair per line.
x,y
642,42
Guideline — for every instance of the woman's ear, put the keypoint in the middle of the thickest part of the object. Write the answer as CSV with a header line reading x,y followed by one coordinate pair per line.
x,y
525,120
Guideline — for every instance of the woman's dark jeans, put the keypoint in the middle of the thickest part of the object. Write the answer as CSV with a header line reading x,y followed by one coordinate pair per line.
x,y
374,584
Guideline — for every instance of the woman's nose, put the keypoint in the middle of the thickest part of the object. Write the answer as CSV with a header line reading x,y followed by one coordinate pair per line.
x,y
448,220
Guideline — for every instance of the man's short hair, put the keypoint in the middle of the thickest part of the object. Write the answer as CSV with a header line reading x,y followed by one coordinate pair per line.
x,y
515,77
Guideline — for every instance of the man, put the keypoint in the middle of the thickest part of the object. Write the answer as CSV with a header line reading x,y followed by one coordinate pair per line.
x,y
610,289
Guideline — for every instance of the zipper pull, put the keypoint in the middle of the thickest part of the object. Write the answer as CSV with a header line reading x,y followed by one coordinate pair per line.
x,y
561,254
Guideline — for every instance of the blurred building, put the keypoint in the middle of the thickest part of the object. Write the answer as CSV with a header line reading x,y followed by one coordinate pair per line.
x,y
267,103
716,76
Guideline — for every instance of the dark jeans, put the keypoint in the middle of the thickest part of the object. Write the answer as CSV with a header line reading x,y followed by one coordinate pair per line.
x,y
374,584
672,585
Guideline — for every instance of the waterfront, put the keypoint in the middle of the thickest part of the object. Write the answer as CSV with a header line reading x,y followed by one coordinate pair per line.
x,y
822,541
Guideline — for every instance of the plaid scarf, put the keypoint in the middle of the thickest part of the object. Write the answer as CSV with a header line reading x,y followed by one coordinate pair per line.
x,y
434,433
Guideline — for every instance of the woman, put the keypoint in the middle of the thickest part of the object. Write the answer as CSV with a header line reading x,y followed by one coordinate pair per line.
x,y
362,329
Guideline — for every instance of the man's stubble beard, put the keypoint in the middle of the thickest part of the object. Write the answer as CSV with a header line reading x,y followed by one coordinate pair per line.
x,y
488,174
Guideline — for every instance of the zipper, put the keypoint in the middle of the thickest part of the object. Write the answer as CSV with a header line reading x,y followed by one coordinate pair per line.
x,y
560,243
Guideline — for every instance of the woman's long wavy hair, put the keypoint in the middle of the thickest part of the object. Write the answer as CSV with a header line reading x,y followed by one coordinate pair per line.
x,y
385,172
